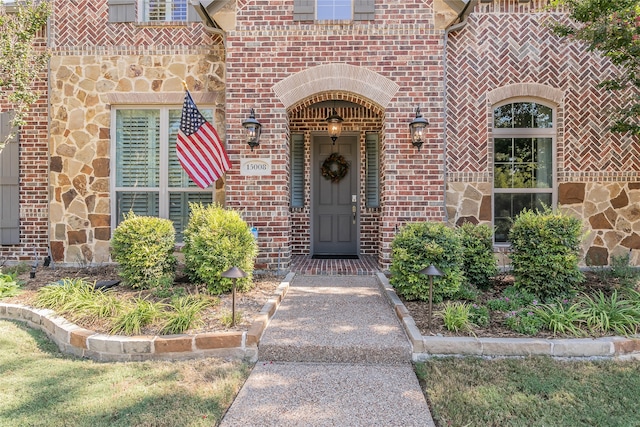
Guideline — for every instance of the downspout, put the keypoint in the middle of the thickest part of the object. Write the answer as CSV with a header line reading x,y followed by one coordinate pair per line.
x,y
451,28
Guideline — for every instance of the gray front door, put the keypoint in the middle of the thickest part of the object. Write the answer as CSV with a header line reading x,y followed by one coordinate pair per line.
x,y
335,204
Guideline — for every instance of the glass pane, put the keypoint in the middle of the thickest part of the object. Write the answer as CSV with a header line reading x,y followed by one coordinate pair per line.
x,y
502,149
522,150
543,156
502,175
141,203
508,205
522,115
334,9
179,208
522,175
177,176
502,116
543,116
137,148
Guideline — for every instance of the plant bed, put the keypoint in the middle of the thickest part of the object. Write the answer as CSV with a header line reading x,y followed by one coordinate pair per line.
x,y
595,282
214,318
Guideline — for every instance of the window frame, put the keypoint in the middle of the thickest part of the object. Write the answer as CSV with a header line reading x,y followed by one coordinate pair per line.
x,y
497,133
144,12
164,190
333,17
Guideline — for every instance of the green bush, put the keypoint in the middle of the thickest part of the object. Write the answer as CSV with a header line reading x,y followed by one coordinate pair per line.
x,y
480,264
456,316
9,285
215,240
545,252
417,246
143,248
524,321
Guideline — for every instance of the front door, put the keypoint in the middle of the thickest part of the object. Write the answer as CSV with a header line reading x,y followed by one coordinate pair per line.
x,y
335,197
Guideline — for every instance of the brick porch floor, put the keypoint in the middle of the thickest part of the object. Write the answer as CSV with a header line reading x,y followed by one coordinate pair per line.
x,y
304,264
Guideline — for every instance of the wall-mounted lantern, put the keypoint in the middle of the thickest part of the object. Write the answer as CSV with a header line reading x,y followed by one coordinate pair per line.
x,y
418,129
335,125
252,130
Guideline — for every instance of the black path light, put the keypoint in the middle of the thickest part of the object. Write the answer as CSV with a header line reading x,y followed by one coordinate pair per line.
x,y
234,273
431,271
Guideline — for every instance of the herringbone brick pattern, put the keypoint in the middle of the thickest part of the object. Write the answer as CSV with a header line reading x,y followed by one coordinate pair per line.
x,y
85,23
494,50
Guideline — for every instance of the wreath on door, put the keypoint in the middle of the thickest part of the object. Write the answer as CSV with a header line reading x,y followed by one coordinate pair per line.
x,y
335,167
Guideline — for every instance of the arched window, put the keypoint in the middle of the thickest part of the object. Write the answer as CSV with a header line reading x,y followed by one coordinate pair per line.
x,y
523,161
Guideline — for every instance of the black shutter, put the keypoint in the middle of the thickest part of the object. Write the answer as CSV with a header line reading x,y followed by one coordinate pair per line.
x,y
372,178
9,184
297,170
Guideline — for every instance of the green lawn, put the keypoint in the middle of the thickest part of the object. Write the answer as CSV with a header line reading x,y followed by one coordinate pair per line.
x,y
41,387
537,391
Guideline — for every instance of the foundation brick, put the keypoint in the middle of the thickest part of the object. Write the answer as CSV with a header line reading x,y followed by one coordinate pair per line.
x,y
173,344
218,340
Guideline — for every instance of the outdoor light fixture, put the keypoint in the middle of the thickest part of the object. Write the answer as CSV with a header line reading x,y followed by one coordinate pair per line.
x,y
431,271
234,273
418,127
252,129
335,124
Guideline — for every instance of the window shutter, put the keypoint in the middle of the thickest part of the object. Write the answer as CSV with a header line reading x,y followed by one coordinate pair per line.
x,y
9,185
372,180
364,10
122,10
304,10
297,170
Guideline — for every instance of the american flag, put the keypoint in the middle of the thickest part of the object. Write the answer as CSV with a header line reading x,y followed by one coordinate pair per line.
x,y
199,148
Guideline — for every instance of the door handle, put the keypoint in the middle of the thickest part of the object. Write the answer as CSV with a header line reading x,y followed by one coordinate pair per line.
x,y
353,209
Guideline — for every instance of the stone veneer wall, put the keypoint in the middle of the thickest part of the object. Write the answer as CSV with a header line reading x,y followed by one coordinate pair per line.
x,y
95,65
505,51
399,45
33,179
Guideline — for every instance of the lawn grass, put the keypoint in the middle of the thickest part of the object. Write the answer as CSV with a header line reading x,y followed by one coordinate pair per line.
x,y
535,391
39,386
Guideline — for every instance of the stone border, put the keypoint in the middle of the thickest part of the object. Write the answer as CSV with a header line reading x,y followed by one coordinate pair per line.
x,y
424,347
72,339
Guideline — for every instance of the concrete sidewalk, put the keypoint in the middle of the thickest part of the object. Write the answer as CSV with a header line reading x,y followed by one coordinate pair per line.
x,y
334,354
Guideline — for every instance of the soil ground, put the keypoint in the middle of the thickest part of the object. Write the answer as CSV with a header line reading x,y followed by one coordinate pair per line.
x,y
248,304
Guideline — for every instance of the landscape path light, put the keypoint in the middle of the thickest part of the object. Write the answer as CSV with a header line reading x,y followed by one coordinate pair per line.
x,y
234,273
431,271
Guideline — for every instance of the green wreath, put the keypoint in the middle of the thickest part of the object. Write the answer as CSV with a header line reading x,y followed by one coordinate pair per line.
x,y
335,174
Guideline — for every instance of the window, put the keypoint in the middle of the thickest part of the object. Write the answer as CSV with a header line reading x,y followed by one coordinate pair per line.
x,y
148,178
372,173
322,10
334,9
164,10
152,11
523,162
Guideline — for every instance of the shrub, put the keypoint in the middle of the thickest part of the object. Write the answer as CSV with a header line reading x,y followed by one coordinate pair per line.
x,y
215,240
9,285
545,252
524,321
137,315
512,299
417,246
479,264
611,314
143,248
185,314
562,318
479,315
456,316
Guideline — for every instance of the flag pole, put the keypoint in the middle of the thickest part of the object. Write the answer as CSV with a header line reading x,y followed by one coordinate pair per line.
x,y
184,84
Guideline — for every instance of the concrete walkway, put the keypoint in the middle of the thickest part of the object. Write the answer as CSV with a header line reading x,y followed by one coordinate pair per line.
x,y
334,354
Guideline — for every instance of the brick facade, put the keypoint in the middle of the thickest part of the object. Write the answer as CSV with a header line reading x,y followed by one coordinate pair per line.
x,y
506,52
33,179
379,70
